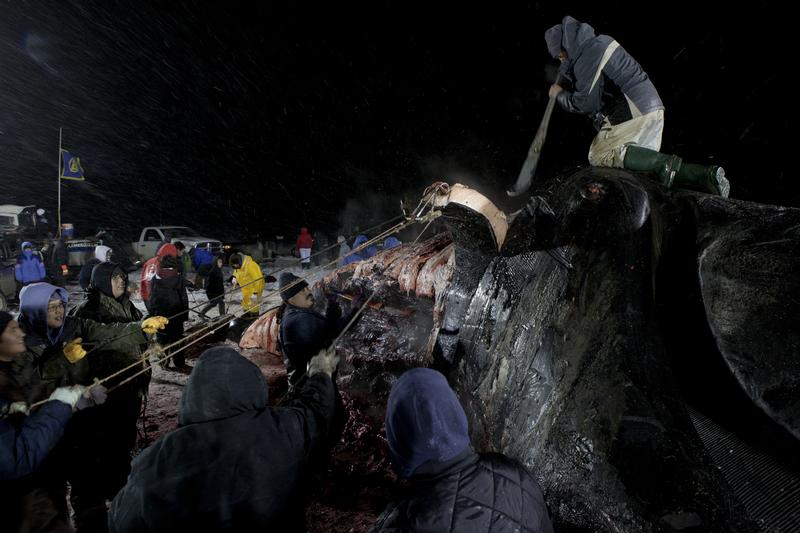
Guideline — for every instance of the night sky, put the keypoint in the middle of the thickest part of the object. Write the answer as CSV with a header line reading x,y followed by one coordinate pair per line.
x,y
253,119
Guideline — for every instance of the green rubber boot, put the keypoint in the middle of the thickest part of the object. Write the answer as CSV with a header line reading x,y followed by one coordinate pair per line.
x,y
710,179
665,166
672,171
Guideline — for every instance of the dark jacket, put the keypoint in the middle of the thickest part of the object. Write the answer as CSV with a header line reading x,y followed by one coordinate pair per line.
x,y
101,306
25,441
617,90
215,284
233,464
473,493
304,332
168,298
452,488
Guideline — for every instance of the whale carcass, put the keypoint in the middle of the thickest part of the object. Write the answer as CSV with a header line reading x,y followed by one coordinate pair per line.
x,y
584,332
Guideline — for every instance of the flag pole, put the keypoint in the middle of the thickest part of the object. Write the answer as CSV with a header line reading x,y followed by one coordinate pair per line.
x,y
58,167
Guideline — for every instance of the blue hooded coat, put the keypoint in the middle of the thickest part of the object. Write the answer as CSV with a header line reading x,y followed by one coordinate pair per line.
x,y
391,242
366,253
452,488
29,267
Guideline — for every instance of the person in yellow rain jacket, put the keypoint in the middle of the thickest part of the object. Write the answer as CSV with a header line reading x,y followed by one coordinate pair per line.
x,y
248,275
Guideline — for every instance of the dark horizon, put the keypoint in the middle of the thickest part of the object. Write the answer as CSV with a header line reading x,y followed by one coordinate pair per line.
x,y
258,120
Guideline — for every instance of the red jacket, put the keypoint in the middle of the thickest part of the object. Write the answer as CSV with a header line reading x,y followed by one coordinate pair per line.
x,y
304,240
150,267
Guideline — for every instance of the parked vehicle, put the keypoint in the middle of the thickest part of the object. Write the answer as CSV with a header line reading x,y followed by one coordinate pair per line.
x,y
8,284
26,220
152,237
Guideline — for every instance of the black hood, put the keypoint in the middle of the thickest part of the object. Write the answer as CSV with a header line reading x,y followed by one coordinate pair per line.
x,y
223,384
102,274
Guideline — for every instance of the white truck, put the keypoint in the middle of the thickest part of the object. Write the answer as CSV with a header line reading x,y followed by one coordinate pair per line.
x,y
152,237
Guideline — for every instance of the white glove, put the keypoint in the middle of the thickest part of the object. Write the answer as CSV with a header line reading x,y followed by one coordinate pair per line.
x,y
325,361
19,407
68,395
12,408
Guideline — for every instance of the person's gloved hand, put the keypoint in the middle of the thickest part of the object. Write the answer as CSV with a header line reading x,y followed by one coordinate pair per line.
x,y
73,350
93,395
154,323
325,361
18,407
9,409
68,395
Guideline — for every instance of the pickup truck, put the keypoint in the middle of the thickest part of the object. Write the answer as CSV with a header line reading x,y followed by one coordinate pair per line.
x,y
152,237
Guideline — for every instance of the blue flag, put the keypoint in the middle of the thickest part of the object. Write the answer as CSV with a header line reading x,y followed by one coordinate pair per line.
x,y
71,166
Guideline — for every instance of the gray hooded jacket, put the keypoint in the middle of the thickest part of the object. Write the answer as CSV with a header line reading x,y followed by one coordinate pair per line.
x,y
608,82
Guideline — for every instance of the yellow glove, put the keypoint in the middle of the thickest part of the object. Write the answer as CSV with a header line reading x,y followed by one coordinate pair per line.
x,y
154,323
73,350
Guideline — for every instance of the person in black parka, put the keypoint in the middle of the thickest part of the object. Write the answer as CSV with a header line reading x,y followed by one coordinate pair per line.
x,y
303,331
214,284
452,488
168,298
104,438
233,463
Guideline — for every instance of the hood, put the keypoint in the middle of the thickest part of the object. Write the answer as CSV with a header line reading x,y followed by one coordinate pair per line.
x,y
167,249
361,239
101,253
222,384
101,277
303,231
424,421
33,309
570,35
22,249
391,242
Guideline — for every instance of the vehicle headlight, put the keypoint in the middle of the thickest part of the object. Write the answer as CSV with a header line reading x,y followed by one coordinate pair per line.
x,y
227,246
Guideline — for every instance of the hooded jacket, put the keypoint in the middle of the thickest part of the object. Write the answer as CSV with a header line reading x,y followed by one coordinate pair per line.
x,y
29,267
215,283
452,488
304,240
233,463
150,267
609,83
366,253
391,242
200,257
100,256
249,277
101,306
44,362
168,298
